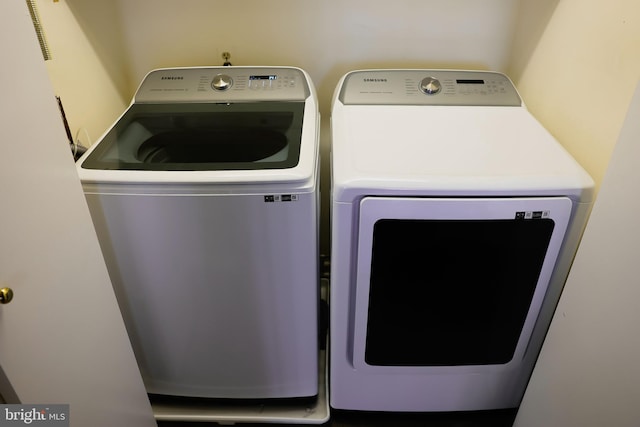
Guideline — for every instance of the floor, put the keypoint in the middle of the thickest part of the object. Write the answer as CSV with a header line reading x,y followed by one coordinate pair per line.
x,y
502,418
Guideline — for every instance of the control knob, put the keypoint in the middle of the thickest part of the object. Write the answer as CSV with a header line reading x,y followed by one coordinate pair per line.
x,y
221,82
430,85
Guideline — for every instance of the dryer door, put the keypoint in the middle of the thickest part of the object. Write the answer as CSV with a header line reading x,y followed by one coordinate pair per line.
x,y
452,282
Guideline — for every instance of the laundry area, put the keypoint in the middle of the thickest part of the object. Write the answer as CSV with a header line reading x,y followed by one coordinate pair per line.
x,y
342,213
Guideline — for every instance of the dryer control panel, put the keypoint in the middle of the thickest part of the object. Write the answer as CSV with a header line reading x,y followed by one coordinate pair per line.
x,y
223,84
428,87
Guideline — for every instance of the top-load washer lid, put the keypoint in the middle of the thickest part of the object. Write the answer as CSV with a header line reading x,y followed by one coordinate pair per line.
x,y
202,136
200,120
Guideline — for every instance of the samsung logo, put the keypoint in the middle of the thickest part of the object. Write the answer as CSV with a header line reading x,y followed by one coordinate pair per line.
x,y
375,80
172,78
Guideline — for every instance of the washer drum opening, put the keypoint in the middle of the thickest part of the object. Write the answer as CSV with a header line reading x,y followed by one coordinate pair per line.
x,y
211,146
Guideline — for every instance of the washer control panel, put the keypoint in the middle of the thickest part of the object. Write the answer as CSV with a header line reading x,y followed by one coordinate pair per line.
x,y
224,84
428,87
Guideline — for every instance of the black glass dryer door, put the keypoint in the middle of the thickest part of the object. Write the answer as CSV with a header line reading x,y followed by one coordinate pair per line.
x,y
452,282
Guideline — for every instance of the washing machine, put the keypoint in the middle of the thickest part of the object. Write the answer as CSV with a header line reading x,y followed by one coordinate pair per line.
x,y
204,195
455,219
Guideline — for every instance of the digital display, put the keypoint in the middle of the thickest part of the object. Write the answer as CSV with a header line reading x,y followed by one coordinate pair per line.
x,y
469,82
265,77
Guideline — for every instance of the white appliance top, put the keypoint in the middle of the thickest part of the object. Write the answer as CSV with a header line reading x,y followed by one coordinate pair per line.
x,y
204,125
441,132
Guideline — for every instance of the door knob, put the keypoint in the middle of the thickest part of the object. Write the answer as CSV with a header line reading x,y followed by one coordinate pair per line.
x,y
6,295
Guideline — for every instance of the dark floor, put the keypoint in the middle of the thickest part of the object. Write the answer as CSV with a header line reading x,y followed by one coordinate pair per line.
x,y
502,418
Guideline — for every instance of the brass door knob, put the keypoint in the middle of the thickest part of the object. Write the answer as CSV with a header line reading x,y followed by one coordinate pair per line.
x,y
6,295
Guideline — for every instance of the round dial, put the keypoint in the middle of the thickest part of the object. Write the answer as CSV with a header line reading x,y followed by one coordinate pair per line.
x,y
221,82
430,85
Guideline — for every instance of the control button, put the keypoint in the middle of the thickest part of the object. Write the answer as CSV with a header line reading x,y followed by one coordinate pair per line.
x,y
221,82
430,85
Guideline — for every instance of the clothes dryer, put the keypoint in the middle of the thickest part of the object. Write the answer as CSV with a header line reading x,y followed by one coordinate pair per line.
x,y
204,195
455,219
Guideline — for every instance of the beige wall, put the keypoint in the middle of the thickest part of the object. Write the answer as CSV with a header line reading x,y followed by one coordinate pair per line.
x,y
576,64
587,374
327,38
102,50
88,65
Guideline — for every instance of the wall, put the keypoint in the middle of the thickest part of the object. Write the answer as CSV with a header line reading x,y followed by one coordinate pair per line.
x,y
88,66
588,372
576,64
327,38
102,50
